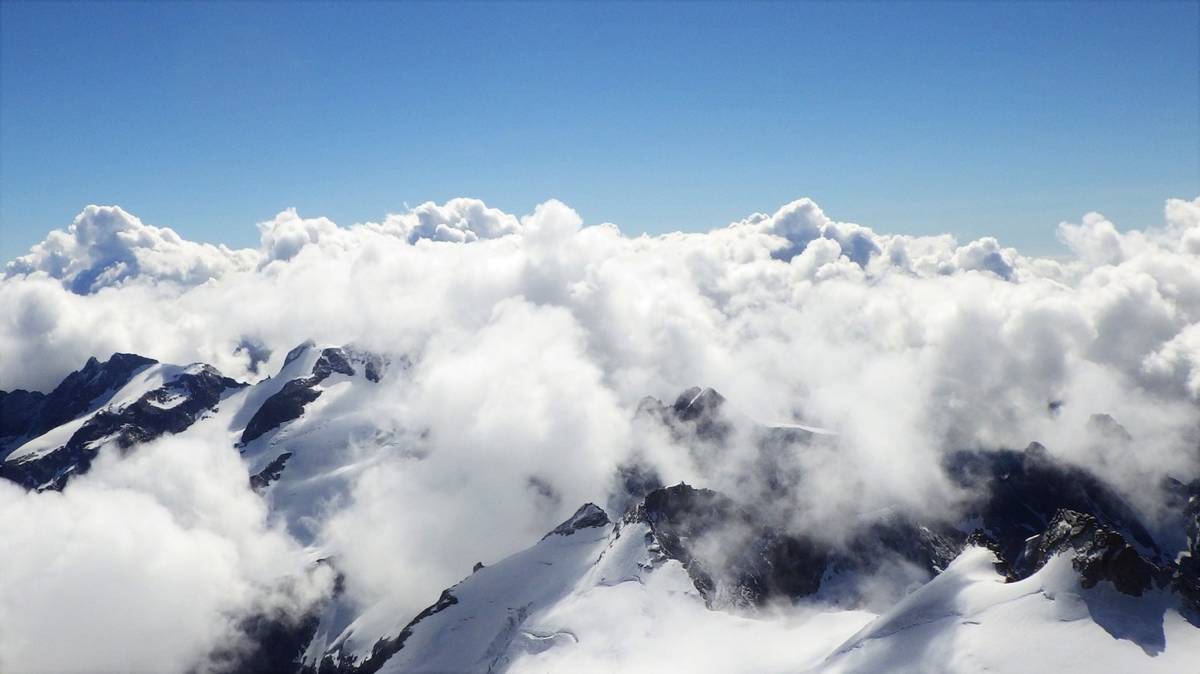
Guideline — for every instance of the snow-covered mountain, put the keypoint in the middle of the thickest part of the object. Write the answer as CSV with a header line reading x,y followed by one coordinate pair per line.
x,y
1044,566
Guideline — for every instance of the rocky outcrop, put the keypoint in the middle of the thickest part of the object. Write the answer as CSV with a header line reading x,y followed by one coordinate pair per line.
x,y
588,516
19,410
270,473
288,403
1097,553
696,413
739,556
1020,492
702,409
1185,578
171,408
268,644
980,539
28,414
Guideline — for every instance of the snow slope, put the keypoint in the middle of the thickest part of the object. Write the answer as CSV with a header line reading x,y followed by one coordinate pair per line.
x,y
969,620
146,380
598,595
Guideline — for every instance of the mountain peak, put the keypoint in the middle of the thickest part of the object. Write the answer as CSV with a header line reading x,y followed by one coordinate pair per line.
x,y
589,515
696,402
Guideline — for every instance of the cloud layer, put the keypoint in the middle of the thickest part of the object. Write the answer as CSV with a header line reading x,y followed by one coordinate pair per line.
x,y
532,339
144,564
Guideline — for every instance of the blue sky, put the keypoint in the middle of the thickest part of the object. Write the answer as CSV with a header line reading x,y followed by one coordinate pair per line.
x,y
975,119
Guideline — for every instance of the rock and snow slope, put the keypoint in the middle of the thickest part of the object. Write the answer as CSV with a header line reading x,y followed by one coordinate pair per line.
x,y
1058,572
969,619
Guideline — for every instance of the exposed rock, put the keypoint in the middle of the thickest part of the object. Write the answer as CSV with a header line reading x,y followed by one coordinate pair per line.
x,y
589,515
1097,553
18,410
384,648
28,414
1022,491
288,403
274,644
736,556
270,473
330,361
980,539
171,408
1186,574
702,410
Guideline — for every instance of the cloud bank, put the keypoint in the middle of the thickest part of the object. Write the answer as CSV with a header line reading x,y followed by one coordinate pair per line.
x,y
145,564
532,340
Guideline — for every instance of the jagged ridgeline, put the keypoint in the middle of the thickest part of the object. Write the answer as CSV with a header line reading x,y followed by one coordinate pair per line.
x,y
1042,542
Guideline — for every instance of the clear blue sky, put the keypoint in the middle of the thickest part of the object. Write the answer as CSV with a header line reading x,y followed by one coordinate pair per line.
x,y
976,119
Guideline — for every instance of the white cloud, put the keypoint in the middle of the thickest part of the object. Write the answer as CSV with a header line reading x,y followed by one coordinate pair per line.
x,y
459,220
144,564
1095,241
105,246
533,343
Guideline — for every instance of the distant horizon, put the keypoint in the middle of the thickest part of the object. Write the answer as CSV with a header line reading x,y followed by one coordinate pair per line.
x,y
981,119
1055,249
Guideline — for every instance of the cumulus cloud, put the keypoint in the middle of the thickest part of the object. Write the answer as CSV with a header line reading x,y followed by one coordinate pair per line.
x,y
802,222
532,340
516,427
104,246
1096,240
459,220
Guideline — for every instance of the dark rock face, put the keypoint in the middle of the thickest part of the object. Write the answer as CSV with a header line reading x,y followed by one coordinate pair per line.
x,y
1023,491
588,516
275,645
330,361
1097,553
171,408
697,412
285,405
980,539
270,473
18,410
373,369
702,409
1021,495
288,403
740,557
1067,510
930,547
28,414
1192,517
1185,578
701,420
